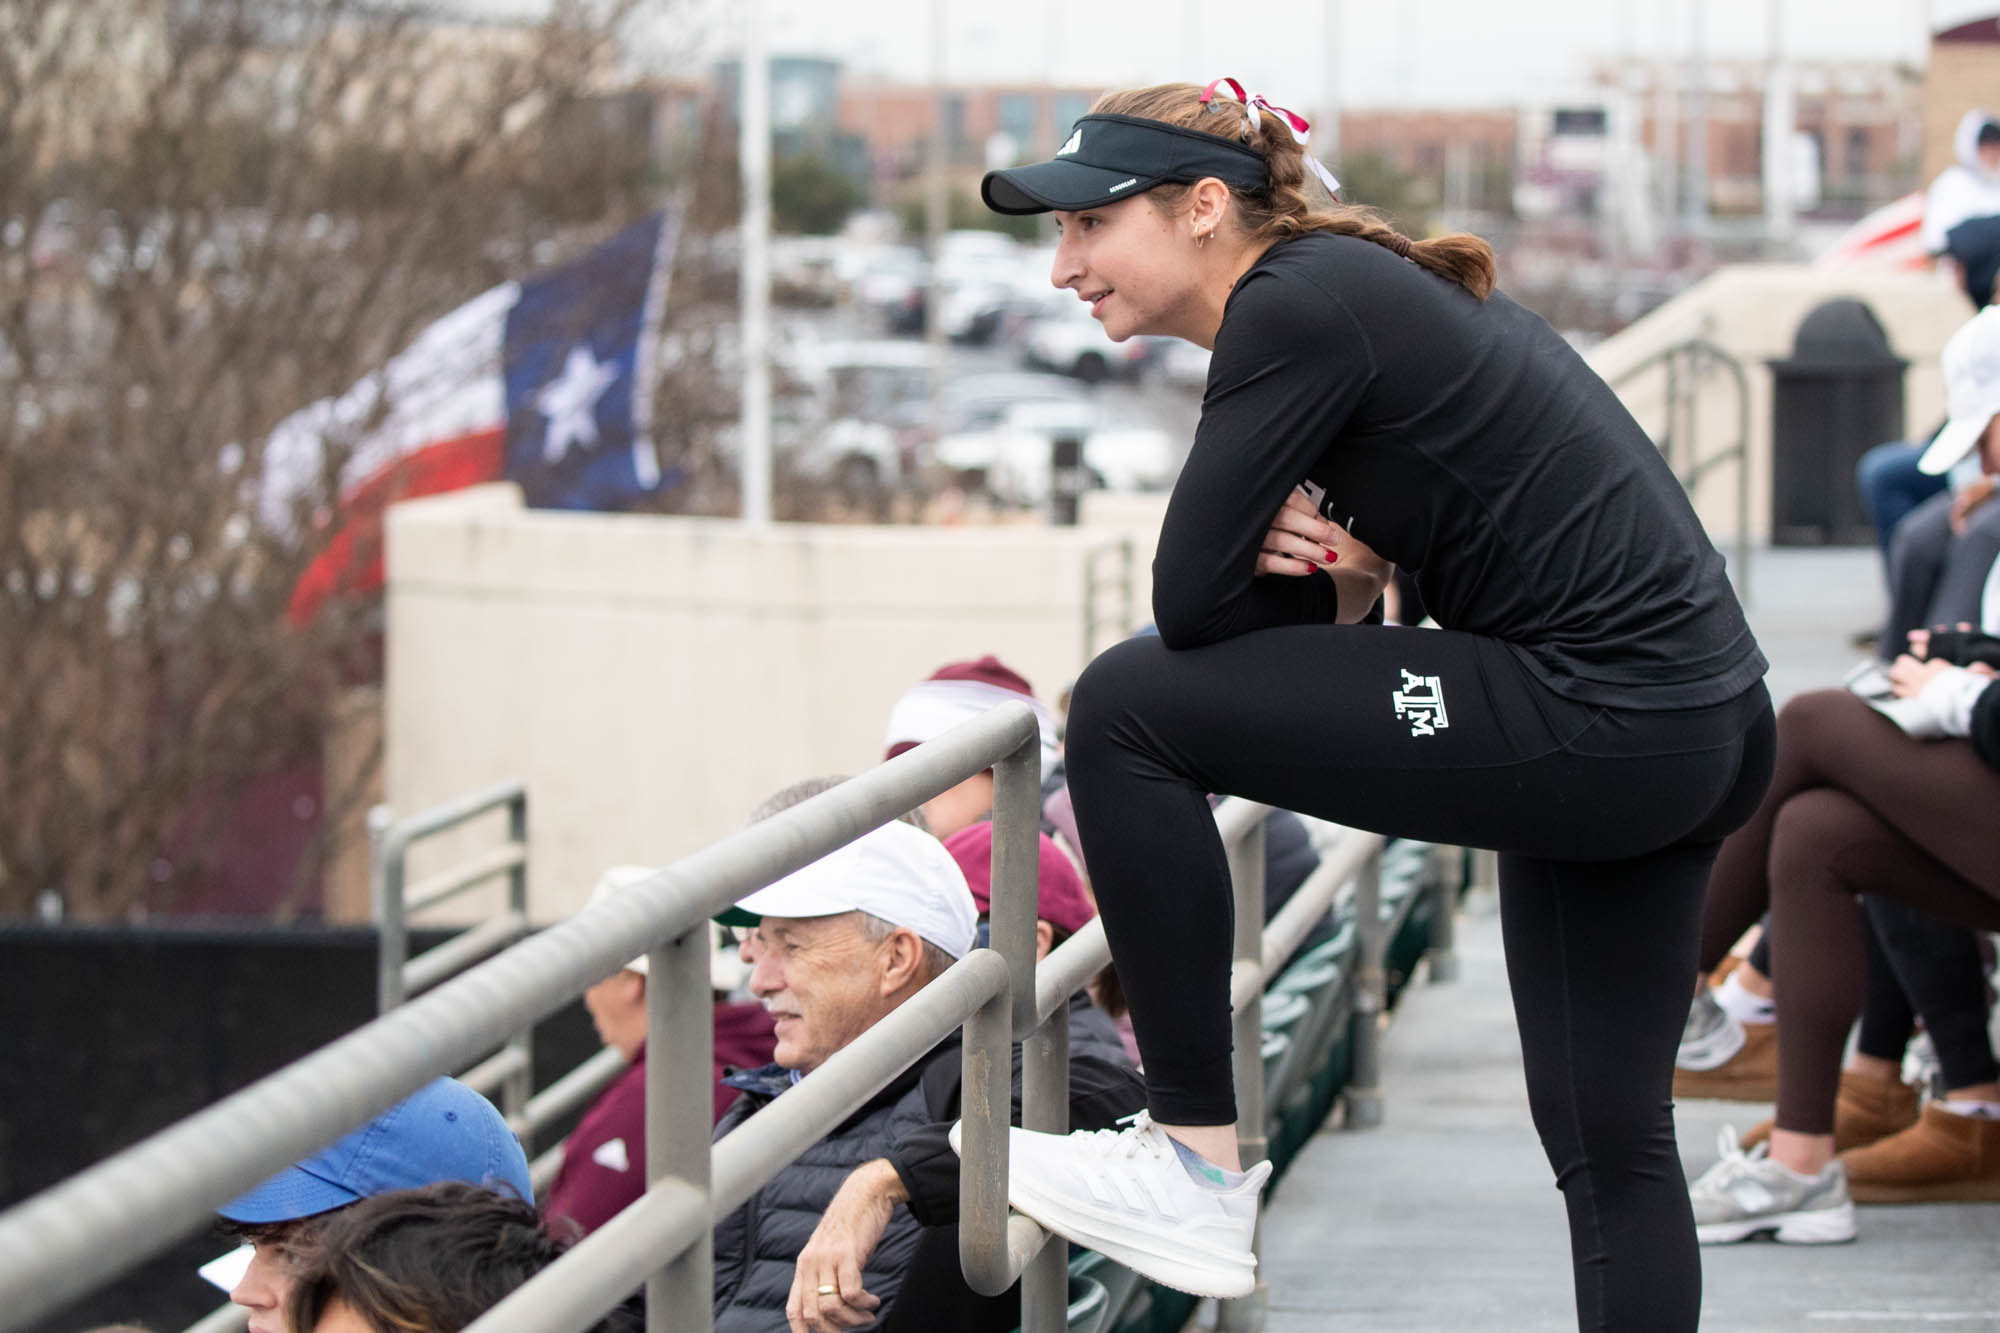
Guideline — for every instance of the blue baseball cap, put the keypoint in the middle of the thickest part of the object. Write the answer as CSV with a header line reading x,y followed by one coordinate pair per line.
x,y
446,1131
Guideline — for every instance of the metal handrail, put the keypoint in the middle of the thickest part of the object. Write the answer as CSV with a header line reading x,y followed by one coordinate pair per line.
x,y
1686,364
109,1218
1121,581
100,1223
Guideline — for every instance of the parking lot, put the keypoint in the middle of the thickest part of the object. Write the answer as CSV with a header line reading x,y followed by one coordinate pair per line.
x,y
1024,365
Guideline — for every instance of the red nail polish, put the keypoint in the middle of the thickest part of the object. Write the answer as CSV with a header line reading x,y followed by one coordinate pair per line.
x,y
1332,557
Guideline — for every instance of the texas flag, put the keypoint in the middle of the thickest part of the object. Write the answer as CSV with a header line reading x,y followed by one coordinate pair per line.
x,y
1886,239
546,382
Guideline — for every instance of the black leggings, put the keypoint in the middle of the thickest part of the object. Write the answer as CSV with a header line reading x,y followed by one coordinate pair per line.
x,y
1606,821
1921,967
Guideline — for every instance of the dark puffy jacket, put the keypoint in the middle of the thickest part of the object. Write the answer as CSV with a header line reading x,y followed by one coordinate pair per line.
x,y
757,1246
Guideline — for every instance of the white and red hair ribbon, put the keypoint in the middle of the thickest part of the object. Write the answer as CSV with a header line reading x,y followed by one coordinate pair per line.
x,y
1300,129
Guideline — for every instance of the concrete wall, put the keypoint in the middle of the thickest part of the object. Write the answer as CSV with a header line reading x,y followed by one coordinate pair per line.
x,y
1753,312
653,679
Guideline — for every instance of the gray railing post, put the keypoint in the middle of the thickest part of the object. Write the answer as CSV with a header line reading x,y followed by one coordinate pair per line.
x,y
519,1086
1045,1107
1246,877
1444,884
988,1080
392,929
679,1109
1017,812
1363,1097
982,1161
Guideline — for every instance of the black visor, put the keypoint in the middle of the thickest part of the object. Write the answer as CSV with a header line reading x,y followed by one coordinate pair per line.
x,y
1108,158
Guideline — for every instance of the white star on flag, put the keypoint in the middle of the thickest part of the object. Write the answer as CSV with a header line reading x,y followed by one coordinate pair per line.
x,y
569,401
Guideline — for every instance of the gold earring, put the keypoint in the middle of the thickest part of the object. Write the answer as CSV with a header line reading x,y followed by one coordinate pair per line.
x,y
1201,240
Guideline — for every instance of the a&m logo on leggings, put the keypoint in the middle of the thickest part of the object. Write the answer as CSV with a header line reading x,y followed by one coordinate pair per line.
x,y
1421,700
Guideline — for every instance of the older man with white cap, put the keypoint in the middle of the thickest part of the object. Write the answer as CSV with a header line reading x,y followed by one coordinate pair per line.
x,y
835,948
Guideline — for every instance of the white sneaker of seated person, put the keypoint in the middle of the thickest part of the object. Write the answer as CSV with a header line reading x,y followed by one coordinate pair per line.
x,y
1129,1195
1745,1194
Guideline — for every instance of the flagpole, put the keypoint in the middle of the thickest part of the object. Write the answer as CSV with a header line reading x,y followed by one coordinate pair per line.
x,y
754,148
937,206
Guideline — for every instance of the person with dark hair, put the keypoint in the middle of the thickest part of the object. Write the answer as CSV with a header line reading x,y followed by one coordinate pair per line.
x,y
1592,705
427,1260
445,1131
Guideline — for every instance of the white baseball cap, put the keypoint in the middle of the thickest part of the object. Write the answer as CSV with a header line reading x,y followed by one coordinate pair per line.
x,y
1972,390
897,872
726,969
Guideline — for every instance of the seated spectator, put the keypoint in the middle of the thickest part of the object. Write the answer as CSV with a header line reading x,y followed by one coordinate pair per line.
x,y
955,694
1957,206
1893,798
1938,559
920,1171
427,1260
604,1158
835,948
444,1132
1891,485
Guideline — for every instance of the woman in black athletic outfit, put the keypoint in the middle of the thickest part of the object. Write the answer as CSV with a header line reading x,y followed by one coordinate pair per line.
x,y
1592,706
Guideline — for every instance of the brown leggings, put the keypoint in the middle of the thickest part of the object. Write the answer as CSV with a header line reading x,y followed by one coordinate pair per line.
x,y
1855,806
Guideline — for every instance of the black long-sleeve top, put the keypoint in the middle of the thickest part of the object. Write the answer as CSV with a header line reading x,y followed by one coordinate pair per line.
x,y
1465,442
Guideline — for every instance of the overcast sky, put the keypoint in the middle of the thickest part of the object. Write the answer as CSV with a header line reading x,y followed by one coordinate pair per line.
x,y
1377,52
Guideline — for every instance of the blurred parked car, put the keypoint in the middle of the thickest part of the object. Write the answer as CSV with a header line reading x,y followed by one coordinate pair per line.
x,y
1012,459
983,401
890,284
854,422
1181,363
1066,338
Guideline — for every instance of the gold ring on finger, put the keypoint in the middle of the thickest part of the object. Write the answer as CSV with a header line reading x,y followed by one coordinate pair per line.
x,y
828,1289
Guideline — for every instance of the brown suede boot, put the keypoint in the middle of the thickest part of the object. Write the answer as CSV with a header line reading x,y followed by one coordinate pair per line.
x,y
1867,1109
1750,1075
1943,1158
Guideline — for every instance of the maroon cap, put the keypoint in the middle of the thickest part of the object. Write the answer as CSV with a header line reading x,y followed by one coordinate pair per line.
x,y
1060,899
989,669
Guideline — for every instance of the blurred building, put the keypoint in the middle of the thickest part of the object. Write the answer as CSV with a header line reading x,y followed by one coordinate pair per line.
x,y
1457,164
1964,73
806,95
996,125
1856,130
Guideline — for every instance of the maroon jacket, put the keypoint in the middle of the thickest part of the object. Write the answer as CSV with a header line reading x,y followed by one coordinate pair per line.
x,y
604,1159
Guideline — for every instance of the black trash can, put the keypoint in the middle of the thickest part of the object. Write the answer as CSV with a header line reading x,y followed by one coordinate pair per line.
x,y
1839,394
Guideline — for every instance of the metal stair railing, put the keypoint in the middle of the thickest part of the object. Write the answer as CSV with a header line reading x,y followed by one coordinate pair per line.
x,y
1116,620
1689,366
102,1222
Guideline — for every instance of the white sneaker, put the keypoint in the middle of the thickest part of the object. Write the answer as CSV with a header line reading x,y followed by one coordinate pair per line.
x,y
1125,1194
1745,1193
1710,1038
